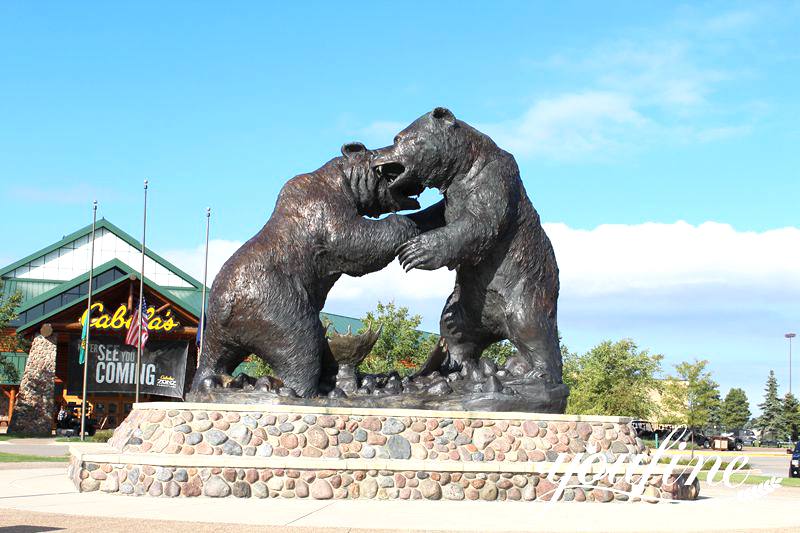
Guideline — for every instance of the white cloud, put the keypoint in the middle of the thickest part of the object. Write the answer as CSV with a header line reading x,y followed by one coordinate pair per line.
x,y
609,261
733,21
616,258
658,72
191,260
392,283
569,125
380,132
656,87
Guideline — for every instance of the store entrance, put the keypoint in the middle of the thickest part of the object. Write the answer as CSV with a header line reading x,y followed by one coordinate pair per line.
x,y
109,411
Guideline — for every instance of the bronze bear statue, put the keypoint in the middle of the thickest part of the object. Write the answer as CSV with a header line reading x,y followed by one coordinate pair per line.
x,y
488,231
267,297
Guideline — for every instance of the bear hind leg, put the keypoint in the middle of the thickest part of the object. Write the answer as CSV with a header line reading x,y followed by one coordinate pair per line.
x,y
219,358
464,338
296,355
536,339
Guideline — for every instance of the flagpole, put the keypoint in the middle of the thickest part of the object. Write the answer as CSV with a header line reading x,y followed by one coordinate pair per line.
x,y
88,326
141,297
205,277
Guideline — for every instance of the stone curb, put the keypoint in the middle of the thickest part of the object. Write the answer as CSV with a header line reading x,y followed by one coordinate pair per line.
x,y
379,411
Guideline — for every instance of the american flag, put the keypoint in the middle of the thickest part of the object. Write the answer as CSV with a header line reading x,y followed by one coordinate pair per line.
x,y
138,323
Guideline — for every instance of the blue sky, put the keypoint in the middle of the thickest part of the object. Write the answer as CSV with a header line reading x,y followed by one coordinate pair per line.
x,y
658,143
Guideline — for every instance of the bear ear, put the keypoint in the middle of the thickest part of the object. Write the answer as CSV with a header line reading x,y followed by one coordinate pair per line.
x,y
351,149
442,113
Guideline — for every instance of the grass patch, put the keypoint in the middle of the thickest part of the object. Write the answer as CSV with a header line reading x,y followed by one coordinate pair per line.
x,y
751,480
21,458
100,436
8,436
707,462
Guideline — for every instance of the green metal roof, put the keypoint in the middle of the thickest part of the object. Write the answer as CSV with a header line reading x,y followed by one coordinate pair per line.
x,y
189,299
29,288
340,323
114,263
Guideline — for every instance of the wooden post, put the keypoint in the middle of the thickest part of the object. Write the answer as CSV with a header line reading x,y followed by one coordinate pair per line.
x,y
12,398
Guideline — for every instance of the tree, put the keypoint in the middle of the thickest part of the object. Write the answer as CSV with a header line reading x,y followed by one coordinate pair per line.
x,y
401,347
791,416
735,409
771,419
500,352
256,367
613,378
8,312
715,408
692,395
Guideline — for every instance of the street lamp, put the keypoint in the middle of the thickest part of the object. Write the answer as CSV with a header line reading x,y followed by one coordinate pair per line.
x,y
790,336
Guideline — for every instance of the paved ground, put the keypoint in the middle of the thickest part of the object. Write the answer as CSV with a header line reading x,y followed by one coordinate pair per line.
x,y
42,447
46,447
32,500
766,461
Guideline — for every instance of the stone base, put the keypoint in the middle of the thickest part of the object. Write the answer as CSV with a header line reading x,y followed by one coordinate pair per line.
x,y
172,449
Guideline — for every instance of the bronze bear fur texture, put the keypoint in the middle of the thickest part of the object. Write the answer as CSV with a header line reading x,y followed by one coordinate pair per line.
x,y
267,297
488,231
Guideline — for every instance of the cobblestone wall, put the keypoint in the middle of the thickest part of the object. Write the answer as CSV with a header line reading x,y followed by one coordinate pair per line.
x,y
276,451
35,408
132,479
190,432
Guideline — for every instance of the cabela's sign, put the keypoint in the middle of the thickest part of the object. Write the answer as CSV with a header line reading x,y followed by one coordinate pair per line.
x,y
121,318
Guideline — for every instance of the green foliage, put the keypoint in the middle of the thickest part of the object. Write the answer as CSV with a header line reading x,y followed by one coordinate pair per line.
x,y
735,409
771,419
256,367
499,352
8,312
791,416
401,347
613,378
692,395
715,408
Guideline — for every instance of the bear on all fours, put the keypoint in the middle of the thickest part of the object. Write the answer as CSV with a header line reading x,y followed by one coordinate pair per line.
x,y
488,231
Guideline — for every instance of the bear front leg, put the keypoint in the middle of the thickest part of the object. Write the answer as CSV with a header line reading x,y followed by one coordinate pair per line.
x,y
369,245
430,218
479,210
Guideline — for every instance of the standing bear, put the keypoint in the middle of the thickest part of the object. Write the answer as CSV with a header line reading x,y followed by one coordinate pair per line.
x,y
267,297
486,229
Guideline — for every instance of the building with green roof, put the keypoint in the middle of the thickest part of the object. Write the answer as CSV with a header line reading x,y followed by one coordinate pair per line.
x,y
54,286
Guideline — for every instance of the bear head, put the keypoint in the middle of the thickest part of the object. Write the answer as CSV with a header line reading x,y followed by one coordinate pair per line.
x,y
371,191
428,153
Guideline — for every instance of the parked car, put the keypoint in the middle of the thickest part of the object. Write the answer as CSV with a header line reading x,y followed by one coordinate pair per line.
x,y
644,429
732,442
794,465
697,436
747,436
